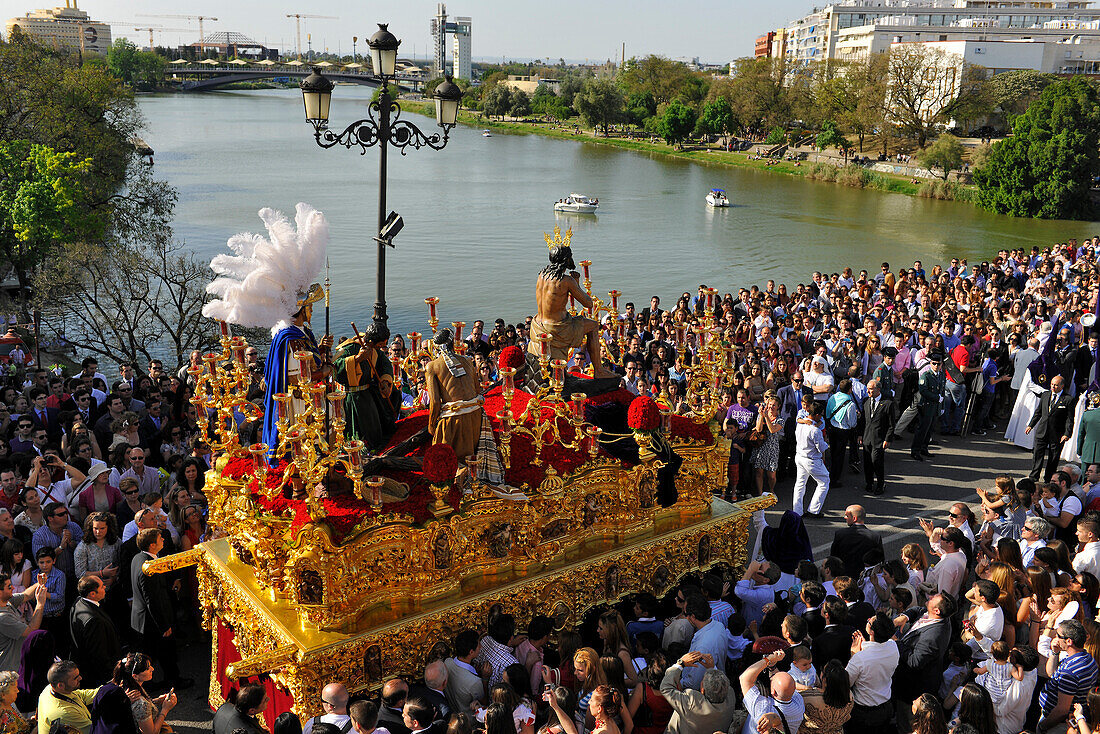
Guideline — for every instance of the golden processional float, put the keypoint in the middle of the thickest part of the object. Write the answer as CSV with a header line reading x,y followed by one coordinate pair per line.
x,y
307,585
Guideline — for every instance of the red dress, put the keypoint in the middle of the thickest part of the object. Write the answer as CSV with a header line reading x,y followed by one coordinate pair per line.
x,y
660,711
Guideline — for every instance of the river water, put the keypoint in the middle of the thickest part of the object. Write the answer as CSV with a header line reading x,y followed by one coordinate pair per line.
x,y
475,212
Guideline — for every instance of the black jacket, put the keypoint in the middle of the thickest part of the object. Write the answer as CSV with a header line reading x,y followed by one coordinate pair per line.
x,y
849,545
391,720
96,648
879,426
152,611
1049,421
228,719
834,642
920,667
815,622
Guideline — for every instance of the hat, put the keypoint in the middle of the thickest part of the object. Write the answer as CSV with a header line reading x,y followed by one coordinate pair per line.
x,y
936,356
96,470
821,361
889,352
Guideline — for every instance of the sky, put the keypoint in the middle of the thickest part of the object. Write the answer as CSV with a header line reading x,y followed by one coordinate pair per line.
x,y
716,32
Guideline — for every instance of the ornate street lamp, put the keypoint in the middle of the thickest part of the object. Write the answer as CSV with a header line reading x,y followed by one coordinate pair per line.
x,y
382,127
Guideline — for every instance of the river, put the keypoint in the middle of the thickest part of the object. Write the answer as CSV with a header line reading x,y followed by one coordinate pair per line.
x,y
475,212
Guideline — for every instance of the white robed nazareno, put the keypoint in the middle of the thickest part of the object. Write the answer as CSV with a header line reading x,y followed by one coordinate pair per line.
x,y
1027,402
1069,451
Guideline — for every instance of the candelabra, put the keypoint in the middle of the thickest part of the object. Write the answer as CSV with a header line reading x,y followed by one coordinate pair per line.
x,y
221,388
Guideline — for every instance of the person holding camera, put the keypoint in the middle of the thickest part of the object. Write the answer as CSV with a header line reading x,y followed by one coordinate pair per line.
x,y
1071,672
779,697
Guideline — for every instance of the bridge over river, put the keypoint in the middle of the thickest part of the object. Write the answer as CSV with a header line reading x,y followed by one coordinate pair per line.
x,y
203,77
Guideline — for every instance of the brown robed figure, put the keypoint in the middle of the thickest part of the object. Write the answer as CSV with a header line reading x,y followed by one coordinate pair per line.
x,y
556,282
454,403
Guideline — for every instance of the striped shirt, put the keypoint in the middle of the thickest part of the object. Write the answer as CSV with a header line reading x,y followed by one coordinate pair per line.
x,y
55,584
1075,675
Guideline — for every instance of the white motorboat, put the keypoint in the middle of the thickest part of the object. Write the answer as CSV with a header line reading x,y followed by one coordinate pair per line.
x,y
717,197
577,204
486,134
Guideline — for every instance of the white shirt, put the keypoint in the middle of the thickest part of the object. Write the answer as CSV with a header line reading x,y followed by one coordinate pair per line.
x,y
813,379
871,671
809,442
990,624
1012,709
338,719
1088,559
949,572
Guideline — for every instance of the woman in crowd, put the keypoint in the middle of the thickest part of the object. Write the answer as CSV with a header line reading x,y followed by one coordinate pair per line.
x,y
172,441
97,554
131,674
605,706
648,709
828,706
96,495
765,457
912,555
31,517
616,643
589,675
562,702
927,715
11,721
14,563
976,709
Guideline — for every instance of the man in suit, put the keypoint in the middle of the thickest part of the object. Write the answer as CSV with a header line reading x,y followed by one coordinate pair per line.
x,y
241,715
44,417
465,684
880,415
654,309
835,642
1082,367
812,595
790,402
434,689
394,694
1088,435
921,649
851,543
152,613
96,648
1050,427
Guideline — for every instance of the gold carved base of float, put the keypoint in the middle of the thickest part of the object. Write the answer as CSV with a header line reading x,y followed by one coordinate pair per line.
x,y
398,637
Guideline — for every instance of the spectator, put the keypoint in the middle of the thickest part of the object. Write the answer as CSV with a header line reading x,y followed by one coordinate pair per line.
x,y
131,674
391,713
240,712
334,709
870,672
13,628
851,543
364,716
1071,673
778,696
465,685
63,700
705,711
152,613
95,642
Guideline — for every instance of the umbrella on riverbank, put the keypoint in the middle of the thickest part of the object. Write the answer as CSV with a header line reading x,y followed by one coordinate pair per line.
x,y
265,62
209,62
239,62
296,62
324,64
177,62
353,65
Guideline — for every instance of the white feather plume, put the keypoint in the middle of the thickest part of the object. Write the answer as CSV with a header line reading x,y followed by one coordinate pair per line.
x,y
259,284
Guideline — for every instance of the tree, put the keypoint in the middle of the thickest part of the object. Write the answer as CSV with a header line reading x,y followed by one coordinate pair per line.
x,y
1044,169
717,117
1011,92
920,89
127,302
497,101
757,95
40,194
854,94
640,106
663,78
946,154
677,123
135,68
393,89
547,104
521,103
776,136
600,103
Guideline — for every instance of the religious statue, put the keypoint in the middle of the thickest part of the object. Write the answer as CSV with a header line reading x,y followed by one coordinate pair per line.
x,y
556,282
282,368
372,404
454,404
269,280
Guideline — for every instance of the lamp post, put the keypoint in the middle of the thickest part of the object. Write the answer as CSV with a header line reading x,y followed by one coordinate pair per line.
x,y
382,127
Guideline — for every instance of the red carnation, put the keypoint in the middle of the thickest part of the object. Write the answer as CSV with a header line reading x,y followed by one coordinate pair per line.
x,y
511,358
644,414
440,463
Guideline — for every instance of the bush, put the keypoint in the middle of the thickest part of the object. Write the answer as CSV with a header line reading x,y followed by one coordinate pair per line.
x,y
945,191
776,136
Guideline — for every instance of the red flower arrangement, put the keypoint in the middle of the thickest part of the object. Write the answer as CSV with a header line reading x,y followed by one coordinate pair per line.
x,y
511,358
440,463
643,414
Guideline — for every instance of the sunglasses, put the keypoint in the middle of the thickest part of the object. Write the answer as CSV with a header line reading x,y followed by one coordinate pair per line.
x,y
131,492
61,513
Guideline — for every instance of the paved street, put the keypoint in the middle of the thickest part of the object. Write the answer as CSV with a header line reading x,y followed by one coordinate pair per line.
x,y
914,490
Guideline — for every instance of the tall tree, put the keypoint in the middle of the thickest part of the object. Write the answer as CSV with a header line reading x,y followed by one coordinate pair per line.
x,y
664,78
717,117
757,94
40,195
497,100
600,103
1045,168
922,85
521,103
854,95
946,154
677,122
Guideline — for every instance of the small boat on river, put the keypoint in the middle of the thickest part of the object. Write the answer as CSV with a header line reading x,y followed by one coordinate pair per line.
x,y
717,198
577,204
486,134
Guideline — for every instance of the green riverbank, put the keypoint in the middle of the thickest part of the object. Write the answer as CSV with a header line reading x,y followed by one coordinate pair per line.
x,y
857,178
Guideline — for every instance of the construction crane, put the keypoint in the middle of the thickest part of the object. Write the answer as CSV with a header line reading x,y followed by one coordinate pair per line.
x,y
159,29
298,22
199,18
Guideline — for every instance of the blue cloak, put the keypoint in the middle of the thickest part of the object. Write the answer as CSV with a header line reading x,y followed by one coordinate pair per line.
x,y
275,377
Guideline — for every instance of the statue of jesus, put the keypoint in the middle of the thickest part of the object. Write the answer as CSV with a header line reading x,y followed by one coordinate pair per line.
x,y
556,282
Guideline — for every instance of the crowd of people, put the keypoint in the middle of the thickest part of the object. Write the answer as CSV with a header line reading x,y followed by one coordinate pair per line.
x,y
986,626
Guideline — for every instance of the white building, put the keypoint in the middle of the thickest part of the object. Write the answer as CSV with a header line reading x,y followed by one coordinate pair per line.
x,y
461,30
853,29
67,27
